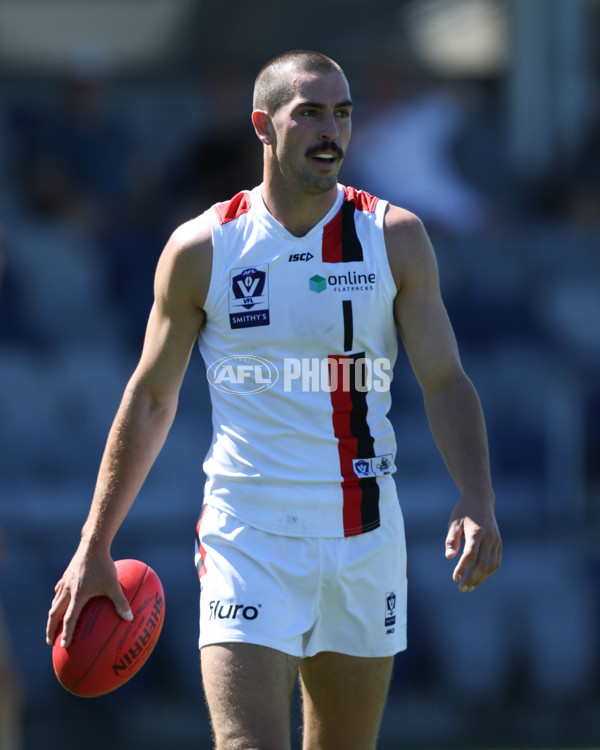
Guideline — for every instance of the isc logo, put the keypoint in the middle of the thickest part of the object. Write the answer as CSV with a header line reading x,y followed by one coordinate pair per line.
x,y
300,256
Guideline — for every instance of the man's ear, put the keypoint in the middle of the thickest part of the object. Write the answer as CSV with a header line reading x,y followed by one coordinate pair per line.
x,y
263,126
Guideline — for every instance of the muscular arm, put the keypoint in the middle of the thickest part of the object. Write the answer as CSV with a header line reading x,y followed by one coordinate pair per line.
x,y
141,424
451,402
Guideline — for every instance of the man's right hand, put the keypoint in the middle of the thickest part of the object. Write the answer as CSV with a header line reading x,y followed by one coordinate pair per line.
x,y
87,575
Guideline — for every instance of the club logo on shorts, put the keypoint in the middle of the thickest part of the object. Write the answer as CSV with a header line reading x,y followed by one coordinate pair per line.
x,y
390,610
219,611
373,467
383,464
249,297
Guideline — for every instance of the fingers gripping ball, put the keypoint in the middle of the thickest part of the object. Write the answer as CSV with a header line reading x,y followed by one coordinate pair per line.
x,y
106,650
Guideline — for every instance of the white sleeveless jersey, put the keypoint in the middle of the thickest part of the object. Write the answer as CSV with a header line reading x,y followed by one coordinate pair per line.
x,y
299,345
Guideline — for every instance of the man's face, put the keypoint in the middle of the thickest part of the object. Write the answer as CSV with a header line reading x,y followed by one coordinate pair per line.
x,y
312,131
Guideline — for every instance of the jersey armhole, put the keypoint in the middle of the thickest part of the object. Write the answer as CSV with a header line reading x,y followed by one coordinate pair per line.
x,y
209,302
380,211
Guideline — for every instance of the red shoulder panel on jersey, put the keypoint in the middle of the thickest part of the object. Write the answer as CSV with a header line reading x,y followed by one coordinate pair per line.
x,y
231,209
340,241
362,200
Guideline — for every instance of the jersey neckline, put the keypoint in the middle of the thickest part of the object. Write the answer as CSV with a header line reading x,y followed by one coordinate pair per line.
x,y
278,230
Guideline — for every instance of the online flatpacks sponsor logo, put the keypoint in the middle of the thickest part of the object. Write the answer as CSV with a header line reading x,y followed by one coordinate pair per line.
x,y
343,282
249,374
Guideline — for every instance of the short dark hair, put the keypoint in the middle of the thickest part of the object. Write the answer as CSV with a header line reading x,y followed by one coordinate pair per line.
x,y
272,88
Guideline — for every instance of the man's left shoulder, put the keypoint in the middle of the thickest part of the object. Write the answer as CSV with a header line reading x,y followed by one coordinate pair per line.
x,y
400,222
407,243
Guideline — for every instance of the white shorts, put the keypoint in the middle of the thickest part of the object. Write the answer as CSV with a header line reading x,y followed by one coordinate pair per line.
x,y
302,595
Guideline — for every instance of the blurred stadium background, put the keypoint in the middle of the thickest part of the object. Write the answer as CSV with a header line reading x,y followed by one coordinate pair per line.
x,y
121,118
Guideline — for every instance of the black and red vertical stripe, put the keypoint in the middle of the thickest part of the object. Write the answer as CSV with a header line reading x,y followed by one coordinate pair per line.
x,y
350,409
351,428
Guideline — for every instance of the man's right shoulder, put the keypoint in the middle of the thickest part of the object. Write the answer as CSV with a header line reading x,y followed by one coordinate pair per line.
x,y
192,235
185,265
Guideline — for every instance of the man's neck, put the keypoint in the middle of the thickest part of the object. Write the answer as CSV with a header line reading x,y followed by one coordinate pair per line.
x,y
297,212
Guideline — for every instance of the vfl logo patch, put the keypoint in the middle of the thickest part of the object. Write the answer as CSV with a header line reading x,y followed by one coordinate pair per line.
x,y
362,467
390,609
249,297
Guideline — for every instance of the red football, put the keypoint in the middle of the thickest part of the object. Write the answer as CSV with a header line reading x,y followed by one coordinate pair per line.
x,y
106,650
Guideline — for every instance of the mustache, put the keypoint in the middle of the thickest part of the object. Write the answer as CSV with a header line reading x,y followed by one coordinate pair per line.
x,y
325,146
